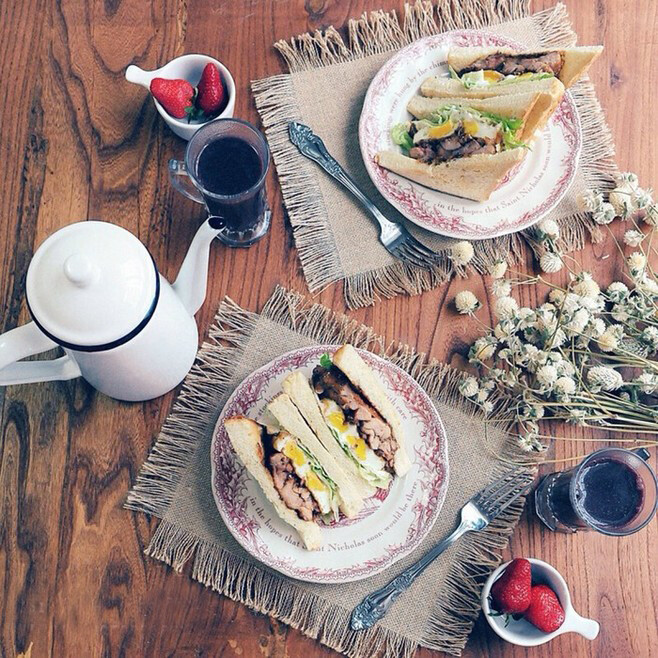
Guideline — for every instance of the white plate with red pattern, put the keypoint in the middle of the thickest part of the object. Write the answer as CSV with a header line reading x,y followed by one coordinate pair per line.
x,y
392,523
529,192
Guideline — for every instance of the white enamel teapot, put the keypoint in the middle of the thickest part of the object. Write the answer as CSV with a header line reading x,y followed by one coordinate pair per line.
x,y
93,289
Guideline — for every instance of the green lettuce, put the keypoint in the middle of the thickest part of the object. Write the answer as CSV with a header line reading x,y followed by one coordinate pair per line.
x,y
318,469
400,135
376,478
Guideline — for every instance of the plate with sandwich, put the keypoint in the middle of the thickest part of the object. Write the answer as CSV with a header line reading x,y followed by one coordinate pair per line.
x,y
472,137
329,464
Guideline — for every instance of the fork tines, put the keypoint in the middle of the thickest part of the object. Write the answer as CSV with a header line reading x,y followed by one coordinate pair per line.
x,y
501,493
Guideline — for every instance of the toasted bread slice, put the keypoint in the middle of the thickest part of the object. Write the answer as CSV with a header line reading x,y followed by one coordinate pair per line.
x,y
246,438
288,416
365,381
299,390
448,88
517,106
474,177
576,60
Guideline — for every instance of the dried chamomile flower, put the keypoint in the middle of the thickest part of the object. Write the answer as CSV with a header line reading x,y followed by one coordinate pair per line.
x,y
604,378
604,214
466,302
647,382
462,253
633,238
617,291
501,288
550,262
506,307
565,386
548,229
482,349
585,285
498,269
637,261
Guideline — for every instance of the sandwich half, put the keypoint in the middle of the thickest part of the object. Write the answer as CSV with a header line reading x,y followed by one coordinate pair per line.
x,y
334,490
530,109
341,439
462,147
551,89
274,471
355,407
500,66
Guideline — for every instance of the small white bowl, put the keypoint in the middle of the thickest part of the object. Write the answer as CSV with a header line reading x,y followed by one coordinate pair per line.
x,y
522,632
186,67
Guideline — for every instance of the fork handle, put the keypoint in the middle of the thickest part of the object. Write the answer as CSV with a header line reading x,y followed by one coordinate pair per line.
x,y
313,148
376,605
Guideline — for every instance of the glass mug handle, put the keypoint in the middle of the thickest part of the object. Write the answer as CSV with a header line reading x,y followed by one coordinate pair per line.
x,y
181,180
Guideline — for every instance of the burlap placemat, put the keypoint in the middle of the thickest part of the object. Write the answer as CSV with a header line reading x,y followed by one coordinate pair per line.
x,y
174,485
325,89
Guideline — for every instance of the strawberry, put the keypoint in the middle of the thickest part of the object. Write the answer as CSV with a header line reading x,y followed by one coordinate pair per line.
x,y
544,611
511,592
211,95
176,96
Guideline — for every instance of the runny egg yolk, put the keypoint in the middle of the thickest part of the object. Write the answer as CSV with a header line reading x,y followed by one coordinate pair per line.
x,y
313,482
470,126
358,445
492,76
441,130
293,452
337,420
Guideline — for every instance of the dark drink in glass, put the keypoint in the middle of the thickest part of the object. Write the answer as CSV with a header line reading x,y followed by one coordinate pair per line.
x,y
226,162
612,491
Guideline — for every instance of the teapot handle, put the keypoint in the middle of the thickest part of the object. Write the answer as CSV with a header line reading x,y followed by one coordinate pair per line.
x,y
26,341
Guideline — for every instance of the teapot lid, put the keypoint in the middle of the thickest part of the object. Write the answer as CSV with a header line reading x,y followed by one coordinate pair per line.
x,y
92,286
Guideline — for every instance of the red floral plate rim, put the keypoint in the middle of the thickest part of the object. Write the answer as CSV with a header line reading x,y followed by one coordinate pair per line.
x,y
415,500
536,186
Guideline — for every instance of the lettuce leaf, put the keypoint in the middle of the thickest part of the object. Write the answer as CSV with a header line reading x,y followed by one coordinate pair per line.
x,y
379,479
325,361
400,135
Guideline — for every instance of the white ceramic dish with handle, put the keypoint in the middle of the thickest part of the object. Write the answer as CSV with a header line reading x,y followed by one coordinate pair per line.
x,y
187,67
522,632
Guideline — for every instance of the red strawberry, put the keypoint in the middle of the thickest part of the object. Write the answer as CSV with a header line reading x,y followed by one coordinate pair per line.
x,y
211,96
176,96
511,592
544,611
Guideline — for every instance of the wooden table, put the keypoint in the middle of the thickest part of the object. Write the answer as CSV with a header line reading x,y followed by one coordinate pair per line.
x,y
77,142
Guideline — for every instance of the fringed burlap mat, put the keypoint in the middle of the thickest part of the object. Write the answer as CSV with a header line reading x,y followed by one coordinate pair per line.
x,y
325,89
174,485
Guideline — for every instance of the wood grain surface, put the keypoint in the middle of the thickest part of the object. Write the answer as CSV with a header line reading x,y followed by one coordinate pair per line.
x,y
77,141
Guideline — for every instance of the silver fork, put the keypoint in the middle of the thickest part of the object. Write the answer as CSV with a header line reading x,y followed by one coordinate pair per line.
x,y
477,514
395,237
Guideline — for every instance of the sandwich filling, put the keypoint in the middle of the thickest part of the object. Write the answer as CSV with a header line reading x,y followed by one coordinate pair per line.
x,y
300,480
357,420
454,131
550,62
497,69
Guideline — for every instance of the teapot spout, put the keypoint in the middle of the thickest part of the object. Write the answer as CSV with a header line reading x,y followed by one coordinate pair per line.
x,y
192,280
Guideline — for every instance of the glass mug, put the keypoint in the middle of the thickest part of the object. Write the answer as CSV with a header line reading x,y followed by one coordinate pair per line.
x,y
613,491
225,165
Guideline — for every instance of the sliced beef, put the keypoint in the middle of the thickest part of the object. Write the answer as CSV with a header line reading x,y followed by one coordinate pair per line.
x,y
457,145
517,64
333,384
291,489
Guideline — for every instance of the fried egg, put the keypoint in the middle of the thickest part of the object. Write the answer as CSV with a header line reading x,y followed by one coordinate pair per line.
x,y
320,490
349,435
